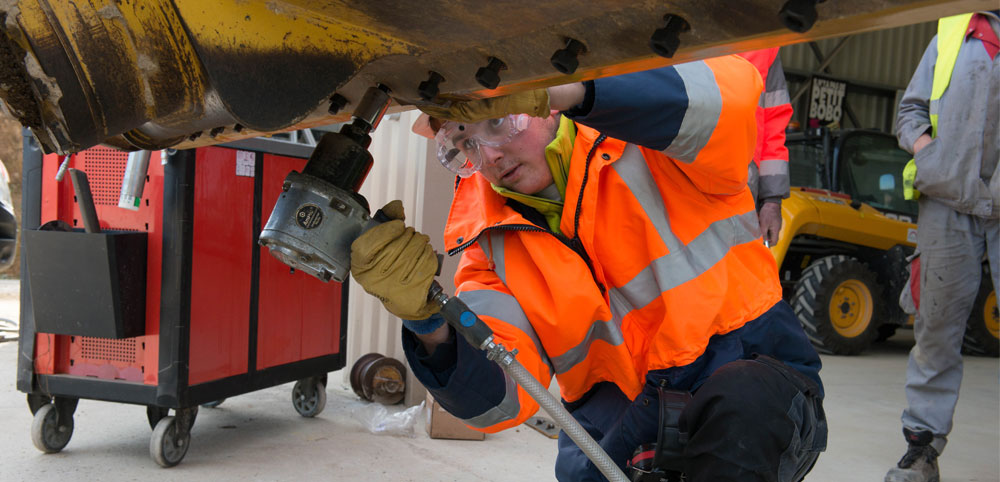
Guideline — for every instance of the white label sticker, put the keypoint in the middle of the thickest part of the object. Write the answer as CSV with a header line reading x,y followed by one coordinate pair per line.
x,y
911,235
245,163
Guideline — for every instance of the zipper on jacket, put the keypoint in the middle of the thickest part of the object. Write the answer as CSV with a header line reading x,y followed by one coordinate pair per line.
x,y
575,243
501,227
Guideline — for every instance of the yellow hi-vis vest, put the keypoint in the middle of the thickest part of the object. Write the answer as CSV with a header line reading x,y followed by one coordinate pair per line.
x,y
950,35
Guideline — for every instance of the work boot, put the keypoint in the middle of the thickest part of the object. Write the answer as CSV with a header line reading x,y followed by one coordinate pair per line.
x,y
919,464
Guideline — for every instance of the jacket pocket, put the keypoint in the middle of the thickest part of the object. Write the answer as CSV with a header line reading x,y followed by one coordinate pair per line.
x,y
932,173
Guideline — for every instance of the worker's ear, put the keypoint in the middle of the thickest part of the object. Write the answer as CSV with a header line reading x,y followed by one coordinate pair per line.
x,y
426,126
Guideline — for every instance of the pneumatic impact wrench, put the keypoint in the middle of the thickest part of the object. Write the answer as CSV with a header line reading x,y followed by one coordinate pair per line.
x,y
320,213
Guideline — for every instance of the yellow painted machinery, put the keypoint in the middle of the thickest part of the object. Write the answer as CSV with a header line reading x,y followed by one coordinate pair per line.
x,y
150,74
847,233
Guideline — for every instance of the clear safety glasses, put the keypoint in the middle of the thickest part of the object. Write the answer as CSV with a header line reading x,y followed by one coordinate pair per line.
x,y
459,144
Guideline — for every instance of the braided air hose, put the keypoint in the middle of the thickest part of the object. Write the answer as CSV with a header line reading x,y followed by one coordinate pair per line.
x,y
587,444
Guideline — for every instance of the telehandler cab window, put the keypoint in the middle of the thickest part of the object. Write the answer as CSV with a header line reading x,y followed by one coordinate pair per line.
x,y
871,171
806,160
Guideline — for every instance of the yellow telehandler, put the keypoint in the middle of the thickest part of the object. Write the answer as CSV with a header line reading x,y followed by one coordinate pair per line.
x,y
846,238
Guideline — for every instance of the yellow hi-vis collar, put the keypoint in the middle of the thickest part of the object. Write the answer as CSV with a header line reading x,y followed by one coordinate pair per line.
x,y
557,154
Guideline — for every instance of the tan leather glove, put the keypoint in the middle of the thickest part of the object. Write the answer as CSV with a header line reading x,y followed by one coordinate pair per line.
x,y
533,102
396,264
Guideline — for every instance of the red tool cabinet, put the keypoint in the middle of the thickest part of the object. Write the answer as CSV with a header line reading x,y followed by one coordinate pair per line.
x,y
204,312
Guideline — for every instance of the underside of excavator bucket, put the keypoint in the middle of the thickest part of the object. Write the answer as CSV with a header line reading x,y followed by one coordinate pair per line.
x,y
151,74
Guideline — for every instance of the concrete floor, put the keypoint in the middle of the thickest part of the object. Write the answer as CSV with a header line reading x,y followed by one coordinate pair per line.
x,y
259,436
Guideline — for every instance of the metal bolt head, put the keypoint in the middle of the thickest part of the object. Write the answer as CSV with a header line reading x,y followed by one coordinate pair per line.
x,y
665,41
565,59
489,76
429,88
337,103
798,15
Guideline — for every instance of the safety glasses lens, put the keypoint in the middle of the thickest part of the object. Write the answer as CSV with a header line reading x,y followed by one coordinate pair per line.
x,y
458,143
462,162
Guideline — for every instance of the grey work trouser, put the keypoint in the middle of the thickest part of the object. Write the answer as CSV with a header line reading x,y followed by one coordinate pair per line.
x,y
951,246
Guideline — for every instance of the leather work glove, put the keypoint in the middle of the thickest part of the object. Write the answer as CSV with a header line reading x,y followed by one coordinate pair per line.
x,y
396,264
770,221
533,102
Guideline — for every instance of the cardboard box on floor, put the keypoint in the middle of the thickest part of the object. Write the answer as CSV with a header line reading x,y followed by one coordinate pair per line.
x,y
441,424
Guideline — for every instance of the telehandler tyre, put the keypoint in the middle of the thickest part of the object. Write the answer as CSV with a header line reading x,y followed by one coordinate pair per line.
x,y
982,332
837,301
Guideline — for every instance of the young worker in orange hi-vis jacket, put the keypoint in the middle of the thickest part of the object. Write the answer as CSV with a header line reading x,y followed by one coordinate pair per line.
x,y
607,234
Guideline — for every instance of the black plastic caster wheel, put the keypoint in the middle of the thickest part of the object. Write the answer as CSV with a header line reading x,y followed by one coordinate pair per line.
x,y
47,433
166,446
309,397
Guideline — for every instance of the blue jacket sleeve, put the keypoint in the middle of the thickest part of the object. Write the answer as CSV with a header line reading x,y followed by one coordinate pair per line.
x,y
644,108
459,376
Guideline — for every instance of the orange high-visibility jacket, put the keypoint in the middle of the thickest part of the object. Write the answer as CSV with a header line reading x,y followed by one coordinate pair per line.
x,y
672,239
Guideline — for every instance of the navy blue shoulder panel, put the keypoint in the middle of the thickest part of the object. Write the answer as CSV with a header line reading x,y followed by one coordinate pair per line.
x,y
644,108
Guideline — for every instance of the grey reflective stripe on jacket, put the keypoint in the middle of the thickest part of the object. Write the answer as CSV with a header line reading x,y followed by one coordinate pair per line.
x,y
700,120
959,168
683,263
773,181
504,307
608,331
775,90
507,409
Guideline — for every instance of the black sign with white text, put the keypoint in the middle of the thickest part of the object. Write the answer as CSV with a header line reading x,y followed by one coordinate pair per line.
x,y
826,101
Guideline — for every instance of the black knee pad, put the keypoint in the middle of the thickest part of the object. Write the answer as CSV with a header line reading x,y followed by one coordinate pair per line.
x,y
754,419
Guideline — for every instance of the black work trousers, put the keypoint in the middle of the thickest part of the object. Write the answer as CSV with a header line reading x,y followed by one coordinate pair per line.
x,y
751,418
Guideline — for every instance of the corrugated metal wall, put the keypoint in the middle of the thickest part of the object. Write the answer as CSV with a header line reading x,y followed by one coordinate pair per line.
x,y
881,61
404,170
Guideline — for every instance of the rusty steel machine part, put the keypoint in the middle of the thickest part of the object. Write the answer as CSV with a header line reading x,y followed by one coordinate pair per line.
x,y
544,426
355,376
186,73
378,378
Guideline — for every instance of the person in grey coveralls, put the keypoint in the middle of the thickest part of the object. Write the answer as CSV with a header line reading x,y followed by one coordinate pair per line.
x,y
958,223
